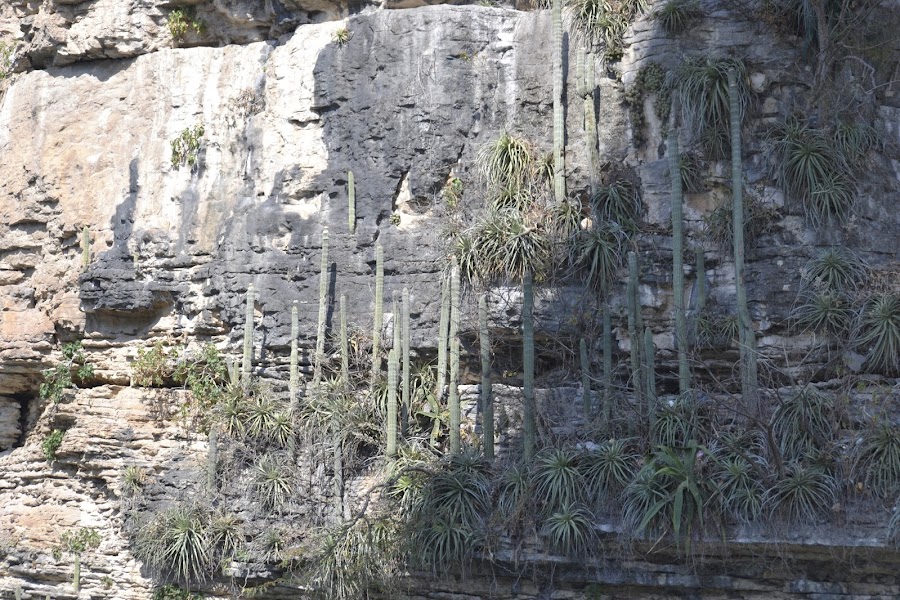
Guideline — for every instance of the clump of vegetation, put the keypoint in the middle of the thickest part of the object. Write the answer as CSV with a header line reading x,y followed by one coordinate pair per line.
x,y
51,444
877,333
452,192
815,171
877,460
186,147
151,368
341,36
759,218
714,329
650,79
676,16
618,203
701,90
60,378
77,542
602,23
804,495
173,592
177,544
6,53
184,20
133,480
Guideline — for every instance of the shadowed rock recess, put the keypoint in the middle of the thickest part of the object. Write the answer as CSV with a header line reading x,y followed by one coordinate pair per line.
x,y
151,175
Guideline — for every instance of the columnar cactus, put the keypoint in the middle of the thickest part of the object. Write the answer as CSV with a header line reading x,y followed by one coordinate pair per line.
x,y
351,199
404,358
607,364
395,345
528,413
212,459
487,400
650,376
294,384
247,364
85,248
585,378
443,325
701,280
684,374
323,297
559,123
392,404
345,346
379,310
590,125
634,326
749,384
454,358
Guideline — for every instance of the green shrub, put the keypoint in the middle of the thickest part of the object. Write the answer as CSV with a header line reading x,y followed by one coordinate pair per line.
x,y
183,20
603,23
51,444
173,592
205,374
133,480
150,368
650,79
186,147
6,53
58,379
175,543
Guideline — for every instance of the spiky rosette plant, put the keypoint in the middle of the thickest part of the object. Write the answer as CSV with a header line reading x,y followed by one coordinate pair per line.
x,y
620,203
597,254
824,311
835,269
877,334
676,16
608,469
877,461
802,423
804,495
570,530
556,479
506,161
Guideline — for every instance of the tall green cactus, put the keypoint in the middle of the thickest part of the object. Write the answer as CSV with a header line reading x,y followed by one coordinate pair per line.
x,y
454,358
487,400
247,363
404,359
529,418
634,326
392,404
323,297
395,344
443,326
701,279
379,310
294,384
212,459
351,199
607,365
559,122
345,345
650,376
684,373
85,248
585,378
590,125
749,379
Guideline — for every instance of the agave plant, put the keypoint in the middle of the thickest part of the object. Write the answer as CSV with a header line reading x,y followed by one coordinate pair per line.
x,y
620,203
556,479
514,495
740,491
877,461
836,269
603,23
261,413
570,530
608,469
893,533
854,140
597,254
701,89
679,421
805,421
176,543
506,162
823,311
675,16
813,172
226,534
877,333
506,246
804,495
273,481
759,219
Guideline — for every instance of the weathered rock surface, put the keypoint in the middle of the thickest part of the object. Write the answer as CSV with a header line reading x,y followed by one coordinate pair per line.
x,y
85,140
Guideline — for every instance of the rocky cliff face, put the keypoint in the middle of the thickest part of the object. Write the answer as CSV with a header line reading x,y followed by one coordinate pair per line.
x,y
291,96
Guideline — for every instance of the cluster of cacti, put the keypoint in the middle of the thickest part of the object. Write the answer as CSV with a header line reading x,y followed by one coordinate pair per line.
x,y
351,200
559,124
85,248
247,363
453,403
404,359
392,404
684,374
379,309
749,386
323,297
635,325
528,412
585,378
486,399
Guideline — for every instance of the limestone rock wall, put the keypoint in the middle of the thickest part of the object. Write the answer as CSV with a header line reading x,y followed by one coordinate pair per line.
x,y
86,126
